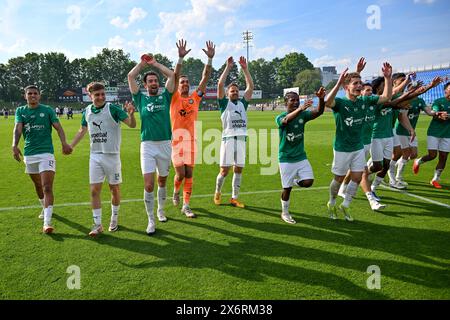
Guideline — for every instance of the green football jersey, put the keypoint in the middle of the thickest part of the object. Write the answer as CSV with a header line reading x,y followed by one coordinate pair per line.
x,y
368,125
37,128
292,147
384,121
417,105
155,115
439,128
350,117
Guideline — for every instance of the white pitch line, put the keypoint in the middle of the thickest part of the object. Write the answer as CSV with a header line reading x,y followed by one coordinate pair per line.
x,y
419,197
80,204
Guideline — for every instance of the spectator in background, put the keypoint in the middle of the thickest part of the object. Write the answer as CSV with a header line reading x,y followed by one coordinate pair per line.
x,y
70,113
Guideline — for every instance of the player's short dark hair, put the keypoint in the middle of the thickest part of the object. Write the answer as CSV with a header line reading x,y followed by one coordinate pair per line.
x,y
95,86
150,73
233,84
286,96
376,83
31,87
398,75
367,84
446,85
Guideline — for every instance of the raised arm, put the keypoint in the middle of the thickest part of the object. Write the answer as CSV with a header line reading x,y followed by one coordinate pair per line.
x,y
133,74
210,52
182,52
291,116
361,65
223,78
317,112
169,74
131,120
66,148
248,79
17,133
401,87
329,101
387,92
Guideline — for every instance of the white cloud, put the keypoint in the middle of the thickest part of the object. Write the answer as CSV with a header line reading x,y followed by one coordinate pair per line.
x,y
424,1
17,48
318,44
74,19
328,60
116,42
136,14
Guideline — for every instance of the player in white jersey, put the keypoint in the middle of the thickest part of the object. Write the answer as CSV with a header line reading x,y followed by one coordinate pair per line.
x,y
234,123
102,121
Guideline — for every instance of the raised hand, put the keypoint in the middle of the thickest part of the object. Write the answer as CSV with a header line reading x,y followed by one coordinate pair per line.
x,y
230,62
210,49
148,58
435,82
307,104
387,70
181,45
342,77
321,93
243,63
17,154
411,76
361,65
129,107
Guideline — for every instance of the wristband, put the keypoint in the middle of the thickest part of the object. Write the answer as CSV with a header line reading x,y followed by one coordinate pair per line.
x,y
209,61
180,60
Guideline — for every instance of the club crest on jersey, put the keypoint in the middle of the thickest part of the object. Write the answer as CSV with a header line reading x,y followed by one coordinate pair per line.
x,y
291,137
385,111
301,121
371,108
42,115
191,101
363,106
184,113
349,121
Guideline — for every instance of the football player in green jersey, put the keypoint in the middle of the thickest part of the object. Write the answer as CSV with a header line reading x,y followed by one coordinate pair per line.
x,y
438,137
350,113
35,122
295,168
156,133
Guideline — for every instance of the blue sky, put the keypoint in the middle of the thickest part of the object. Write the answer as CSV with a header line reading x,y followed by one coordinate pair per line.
x,y
411,33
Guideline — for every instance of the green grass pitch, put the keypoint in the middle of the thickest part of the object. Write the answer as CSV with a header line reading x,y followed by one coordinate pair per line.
x,y
227,253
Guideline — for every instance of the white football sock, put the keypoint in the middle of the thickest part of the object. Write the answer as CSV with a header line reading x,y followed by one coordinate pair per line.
x,y
48,215
285,206
114,212
237,178
149,200
350,194
219,183
334,189
162,195
97,214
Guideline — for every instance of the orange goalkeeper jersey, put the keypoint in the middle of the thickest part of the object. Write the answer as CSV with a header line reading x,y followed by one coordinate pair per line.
x,y
183,114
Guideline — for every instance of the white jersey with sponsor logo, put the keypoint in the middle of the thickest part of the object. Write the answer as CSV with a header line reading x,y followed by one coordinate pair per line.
x,y
104,131
234,120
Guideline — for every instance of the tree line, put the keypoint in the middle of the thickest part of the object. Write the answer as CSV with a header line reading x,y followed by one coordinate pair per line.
x,y
53,71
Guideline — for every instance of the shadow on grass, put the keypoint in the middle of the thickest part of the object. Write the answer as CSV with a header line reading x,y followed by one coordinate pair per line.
x,y
251,257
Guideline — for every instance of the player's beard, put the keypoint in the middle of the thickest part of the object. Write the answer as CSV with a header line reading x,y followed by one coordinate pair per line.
x,y
153,91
